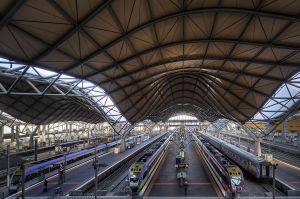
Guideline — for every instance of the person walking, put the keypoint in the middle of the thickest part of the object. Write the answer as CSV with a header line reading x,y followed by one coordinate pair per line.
x,y
45,185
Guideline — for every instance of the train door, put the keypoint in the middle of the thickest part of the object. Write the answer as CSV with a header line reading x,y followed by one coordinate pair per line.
x,y
263,171
266,171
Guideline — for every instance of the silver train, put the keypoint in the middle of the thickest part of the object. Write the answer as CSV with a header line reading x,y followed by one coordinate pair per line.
x,y
231,176
255,166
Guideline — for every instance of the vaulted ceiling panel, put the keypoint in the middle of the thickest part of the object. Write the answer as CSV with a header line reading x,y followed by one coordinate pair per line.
x,y
156,57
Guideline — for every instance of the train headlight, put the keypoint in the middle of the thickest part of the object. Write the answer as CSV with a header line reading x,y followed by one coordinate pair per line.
x,y
233,187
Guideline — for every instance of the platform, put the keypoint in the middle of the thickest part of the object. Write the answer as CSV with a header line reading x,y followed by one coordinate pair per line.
x,y
165,182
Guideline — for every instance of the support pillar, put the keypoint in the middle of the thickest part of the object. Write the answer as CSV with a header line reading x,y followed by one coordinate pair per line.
x,y
123,144
70,132
166,127
1,134
12,134
88,136
66,134
283,135
273,135
257,149
17,138
47,130
35,149
31,141
43,135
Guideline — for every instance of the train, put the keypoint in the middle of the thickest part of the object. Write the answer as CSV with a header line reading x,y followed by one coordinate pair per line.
x,y
231,176
139,171
255,166
39,169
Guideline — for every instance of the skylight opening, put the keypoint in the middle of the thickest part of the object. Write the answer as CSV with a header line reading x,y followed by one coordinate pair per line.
x,y
183,117
89,89
283,99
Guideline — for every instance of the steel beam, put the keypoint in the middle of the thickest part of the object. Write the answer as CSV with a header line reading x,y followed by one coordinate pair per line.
x,y
11,12
186,13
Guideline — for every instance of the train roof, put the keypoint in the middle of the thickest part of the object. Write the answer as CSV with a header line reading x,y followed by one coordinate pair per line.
x,y
219,156
239,151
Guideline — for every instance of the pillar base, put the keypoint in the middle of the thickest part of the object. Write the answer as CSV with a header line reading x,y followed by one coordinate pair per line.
x,y
122,145
257,149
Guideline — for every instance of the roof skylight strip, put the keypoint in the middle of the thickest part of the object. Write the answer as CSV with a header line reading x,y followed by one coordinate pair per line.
x,y
88,89
290,91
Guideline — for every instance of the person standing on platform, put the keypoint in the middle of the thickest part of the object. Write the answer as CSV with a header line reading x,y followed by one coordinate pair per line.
x,y
61,173
45,185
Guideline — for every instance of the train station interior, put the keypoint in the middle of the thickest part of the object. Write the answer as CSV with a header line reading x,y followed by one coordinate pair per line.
x,y
149,99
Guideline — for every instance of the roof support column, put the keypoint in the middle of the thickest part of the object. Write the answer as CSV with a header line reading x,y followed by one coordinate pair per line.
x,y
1,133
70,128
12,133
218,127
17,138
47,131
166,127
31,143
247,130
283,130
124,135
123,144
43,134
66,132
256,138
257,148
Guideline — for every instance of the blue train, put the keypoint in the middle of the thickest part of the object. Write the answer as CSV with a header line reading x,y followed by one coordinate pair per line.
x,y
139,171
255,166
35,170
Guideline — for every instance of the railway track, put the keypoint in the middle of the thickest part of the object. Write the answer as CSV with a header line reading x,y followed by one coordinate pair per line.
x,y
283,156
258,189
116,183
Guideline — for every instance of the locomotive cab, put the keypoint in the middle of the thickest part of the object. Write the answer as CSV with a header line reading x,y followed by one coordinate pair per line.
x,y
236,178
134,176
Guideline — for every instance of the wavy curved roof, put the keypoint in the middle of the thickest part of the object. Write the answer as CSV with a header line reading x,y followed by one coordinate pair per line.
x,y
224,57
47,109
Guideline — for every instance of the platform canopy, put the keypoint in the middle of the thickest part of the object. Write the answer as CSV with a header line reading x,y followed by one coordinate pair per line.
x,y
224,58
